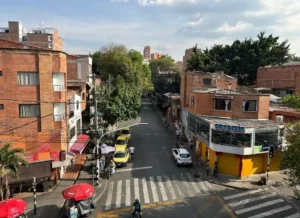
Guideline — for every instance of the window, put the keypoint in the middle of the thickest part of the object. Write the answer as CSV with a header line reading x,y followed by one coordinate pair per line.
x,y
83,96
24,38
121,142
0,73
29,110
221,104
1,106
185,155
125,132
78,126
192,123
77,105
120,155
50,45
249,105
192,100
28,79
231,138
49,38
266,137
203,129
72,132
206,81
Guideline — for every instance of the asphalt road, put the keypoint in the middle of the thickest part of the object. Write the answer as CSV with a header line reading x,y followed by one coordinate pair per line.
x,y
170,191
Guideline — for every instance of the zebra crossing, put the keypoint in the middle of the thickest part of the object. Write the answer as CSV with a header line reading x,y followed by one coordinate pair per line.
x,y
260,203
153,189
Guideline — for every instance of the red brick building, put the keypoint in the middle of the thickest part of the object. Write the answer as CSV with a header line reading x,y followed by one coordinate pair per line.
x,y
283,113
156,56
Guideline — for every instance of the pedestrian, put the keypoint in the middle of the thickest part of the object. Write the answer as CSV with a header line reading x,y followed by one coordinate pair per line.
x,y
72,163
207,168
131,150
216,169
177,133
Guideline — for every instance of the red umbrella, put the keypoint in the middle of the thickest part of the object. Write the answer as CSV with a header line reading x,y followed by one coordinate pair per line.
x,y
78,192
12,207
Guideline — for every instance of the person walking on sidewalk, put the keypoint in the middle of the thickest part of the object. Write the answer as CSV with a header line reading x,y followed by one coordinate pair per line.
x,y
177,133
207,168
216,169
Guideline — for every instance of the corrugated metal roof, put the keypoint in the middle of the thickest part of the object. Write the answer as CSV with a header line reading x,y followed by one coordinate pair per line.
x,y
76,83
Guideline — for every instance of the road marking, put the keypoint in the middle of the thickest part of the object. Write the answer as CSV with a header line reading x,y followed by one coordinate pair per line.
x,y
193,183
136,188
242,194
115,213
171,190
269,203
109,196
203,185
162,189
225,207
145,191
186,185
133,169
246,201
271,212
127,200
153,188
297,215
119,194
177,187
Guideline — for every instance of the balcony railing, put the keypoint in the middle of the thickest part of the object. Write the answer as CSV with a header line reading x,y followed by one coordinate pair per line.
x,y
59,117
58,88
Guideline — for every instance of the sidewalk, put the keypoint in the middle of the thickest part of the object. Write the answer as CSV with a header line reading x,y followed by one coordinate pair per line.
x,y
276,179
51,204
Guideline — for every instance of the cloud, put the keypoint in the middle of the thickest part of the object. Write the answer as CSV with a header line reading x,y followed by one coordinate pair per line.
x,y
119,1
240,26
165,2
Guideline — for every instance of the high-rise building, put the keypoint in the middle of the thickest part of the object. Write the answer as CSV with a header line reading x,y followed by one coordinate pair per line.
x,y
156,56
187,55
42,37
147,52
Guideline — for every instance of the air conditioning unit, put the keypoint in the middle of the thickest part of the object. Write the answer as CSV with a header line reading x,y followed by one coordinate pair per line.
x,y
279,119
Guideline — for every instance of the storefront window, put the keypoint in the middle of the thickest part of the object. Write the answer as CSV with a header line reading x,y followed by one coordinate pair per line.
x,y
231,139
203,129
266,137
192,123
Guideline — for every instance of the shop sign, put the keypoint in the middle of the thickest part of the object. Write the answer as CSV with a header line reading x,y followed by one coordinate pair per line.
x,y
229,128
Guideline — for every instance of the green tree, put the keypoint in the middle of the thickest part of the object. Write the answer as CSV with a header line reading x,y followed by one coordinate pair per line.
x,y
10,161
242,58
291,156
291,100
120,98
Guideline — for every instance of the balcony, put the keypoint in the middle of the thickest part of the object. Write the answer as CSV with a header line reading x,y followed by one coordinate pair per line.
x,y
58,88
59,117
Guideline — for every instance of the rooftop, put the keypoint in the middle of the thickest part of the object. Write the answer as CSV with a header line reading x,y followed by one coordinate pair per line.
x,y
283,107
247,123
291,63
76,83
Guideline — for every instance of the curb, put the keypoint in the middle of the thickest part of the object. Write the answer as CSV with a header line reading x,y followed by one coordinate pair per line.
x,y
230,186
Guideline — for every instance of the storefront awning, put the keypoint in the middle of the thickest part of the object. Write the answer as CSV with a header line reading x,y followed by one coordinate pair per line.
x,y
80,144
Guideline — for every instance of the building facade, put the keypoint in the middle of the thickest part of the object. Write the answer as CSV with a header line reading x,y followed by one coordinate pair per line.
x,y
79,67
46,38
232,130
283,79
147,52
156,56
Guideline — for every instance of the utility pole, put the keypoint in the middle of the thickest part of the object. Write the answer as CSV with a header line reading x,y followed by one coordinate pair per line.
x,y
96,139
34,195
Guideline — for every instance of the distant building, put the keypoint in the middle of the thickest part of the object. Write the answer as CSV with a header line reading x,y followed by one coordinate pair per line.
x,y
147,52
186,57
156,56
46,38
180,65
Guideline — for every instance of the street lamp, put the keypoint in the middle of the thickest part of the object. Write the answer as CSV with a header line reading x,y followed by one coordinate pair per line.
x,y
98,146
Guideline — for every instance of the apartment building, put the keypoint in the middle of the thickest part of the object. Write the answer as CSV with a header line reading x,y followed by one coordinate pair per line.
x,y
156,56
186,57
79,67
47,38
34,106
282,80
233,130
147,52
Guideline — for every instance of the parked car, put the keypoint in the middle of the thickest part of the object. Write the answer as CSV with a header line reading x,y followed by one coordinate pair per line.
x,y
182,156
121,141
121,156
126,132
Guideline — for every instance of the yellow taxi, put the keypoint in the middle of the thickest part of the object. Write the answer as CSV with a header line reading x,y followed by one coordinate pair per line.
x,y
126,132
121,156
122,141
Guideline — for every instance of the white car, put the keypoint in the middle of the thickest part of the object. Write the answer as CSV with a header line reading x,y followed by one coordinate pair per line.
x,y
182,156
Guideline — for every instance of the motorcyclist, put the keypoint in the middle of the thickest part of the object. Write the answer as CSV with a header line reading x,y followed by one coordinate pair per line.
x,y
137,207
112,167
131,150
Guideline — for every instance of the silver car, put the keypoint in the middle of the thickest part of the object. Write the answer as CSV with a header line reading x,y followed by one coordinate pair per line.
x,y
182,156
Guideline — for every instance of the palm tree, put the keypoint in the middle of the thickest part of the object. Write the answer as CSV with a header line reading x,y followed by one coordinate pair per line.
x,y
10,161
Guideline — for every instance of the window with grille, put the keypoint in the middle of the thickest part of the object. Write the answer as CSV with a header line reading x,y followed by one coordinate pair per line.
x,y
28,79
29,110
206,81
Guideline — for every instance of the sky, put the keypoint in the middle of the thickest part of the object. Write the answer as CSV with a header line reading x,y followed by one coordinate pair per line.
x,y
168,26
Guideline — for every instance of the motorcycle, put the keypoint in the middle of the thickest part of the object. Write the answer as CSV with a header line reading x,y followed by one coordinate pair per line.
x,y
136,215
132,156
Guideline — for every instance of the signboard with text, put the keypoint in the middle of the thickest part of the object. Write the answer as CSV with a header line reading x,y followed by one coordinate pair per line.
x,y
230,128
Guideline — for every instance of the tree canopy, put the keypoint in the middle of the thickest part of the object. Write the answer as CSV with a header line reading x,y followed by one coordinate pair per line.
x,y
291,100
242,58
120,97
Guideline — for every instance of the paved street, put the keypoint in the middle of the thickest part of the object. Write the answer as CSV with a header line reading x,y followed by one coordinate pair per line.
x,y
168,190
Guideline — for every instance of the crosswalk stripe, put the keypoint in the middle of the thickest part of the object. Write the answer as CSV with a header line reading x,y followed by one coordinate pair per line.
x,y
162,189
145,191
297,215
153,188
245,210
242,194
171,190
109,196
127,198
208,185
177,187
193,183
246,201
136,188
203,186
119,194
186,185
271,212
